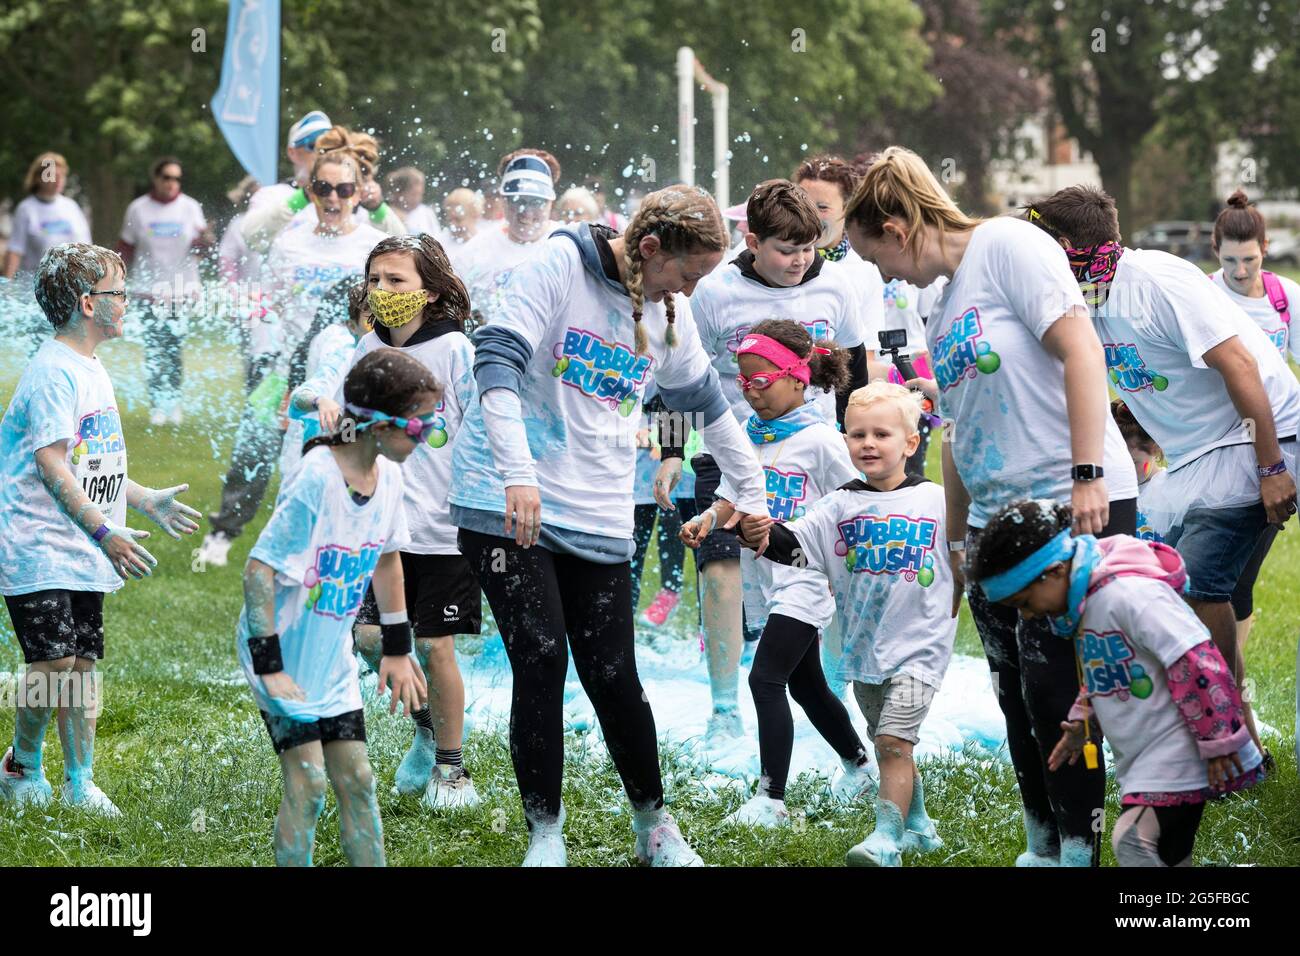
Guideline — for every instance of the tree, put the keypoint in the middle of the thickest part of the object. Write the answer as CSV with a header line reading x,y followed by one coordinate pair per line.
x,y
986,94
1113,66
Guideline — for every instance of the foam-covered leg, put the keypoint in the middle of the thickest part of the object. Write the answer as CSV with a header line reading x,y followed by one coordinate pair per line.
x,y
1043,843
360,831
920,835
300,807
883,846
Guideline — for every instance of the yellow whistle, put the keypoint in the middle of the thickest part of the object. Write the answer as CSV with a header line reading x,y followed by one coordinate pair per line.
x,y
1090,755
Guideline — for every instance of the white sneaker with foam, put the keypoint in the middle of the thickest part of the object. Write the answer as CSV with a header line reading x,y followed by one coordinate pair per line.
x,y
723,725
86,795
852,782
662,844
215,549
450,788
23,787
546,844
760,810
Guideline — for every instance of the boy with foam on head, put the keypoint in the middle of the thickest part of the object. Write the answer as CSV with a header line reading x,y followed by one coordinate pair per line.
x,y
63,499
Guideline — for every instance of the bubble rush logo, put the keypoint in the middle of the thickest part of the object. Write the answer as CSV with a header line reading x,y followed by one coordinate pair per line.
x,y
1144,530
609,372
1129,372
165,230
337,582
1278,337
99,433
1107,666
896,544
438,437
784,492
819,329
961,353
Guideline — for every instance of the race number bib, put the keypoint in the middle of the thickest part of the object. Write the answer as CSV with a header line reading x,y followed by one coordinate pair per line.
x,y
98,462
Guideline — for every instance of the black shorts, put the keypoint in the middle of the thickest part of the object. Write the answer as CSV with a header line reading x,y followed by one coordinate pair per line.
x,y
720,545
287,733
442,596
55,624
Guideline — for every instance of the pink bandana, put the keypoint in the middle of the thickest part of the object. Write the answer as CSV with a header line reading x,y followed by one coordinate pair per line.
x,y
780,356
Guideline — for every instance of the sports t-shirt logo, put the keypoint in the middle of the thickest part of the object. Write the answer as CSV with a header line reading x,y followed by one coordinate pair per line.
x,y
1129,372
608,372
894,544
785,492
1109,667
962,352
337,581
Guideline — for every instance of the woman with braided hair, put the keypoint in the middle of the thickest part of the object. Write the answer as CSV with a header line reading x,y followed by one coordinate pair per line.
x,y
551,445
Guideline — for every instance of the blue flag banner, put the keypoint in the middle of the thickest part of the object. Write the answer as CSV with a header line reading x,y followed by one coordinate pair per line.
x,y
247,104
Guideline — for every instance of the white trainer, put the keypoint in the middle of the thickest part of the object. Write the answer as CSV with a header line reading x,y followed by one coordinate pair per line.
x,y
450,788
852,782
723,725
760,810
86,795
662,844
546,844
23,787
215,549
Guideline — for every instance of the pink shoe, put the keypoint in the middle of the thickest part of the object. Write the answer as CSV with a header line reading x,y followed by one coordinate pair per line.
x,y
660,608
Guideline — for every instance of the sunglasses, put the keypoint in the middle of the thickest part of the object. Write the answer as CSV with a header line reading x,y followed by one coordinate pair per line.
x,y
323,189
416,429
169,179
117,292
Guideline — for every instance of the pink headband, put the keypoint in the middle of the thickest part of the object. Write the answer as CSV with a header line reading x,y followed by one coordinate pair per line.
x,y
780,356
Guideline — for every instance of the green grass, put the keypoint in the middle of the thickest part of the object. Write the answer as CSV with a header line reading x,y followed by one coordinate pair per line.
x,y
183,753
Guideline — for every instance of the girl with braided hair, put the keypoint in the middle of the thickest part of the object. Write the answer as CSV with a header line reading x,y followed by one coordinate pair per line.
x,y
551,445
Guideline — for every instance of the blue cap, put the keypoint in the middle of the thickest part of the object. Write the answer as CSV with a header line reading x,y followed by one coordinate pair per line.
x,y
528,176
307,130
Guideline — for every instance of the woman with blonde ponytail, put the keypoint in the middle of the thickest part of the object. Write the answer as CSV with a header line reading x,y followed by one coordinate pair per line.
x,y
1015,358
551,445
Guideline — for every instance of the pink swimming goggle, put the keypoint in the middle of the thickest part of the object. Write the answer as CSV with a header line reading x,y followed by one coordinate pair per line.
x,y
786,361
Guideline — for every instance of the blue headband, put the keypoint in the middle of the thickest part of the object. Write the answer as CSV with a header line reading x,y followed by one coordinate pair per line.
x,y
1017,578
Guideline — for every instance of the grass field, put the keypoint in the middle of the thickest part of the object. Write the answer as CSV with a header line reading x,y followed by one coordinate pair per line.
x,y
184,755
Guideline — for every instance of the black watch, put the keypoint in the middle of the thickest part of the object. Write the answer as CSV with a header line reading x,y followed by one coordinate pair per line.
x,y
1086,472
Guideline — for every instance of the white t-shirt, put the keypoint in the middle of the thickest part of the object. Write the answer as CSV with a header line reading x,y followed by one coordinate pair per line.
x,y
1153,510
234,253
427,472
485,262
324,548
62,396
302,266
1133,630
585,379
885,554
1263,314
866,282
799,471
727,305
162,233
1158,322
422,219
1002,388
328,359
39,224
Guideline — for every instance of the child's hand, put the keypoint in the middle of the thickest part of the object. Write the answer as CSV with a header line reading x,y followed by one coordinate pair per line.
x,y
282,686
327,412
670,472
175,517
129,559
1221,769
1069,747
753,530
407,680
697,529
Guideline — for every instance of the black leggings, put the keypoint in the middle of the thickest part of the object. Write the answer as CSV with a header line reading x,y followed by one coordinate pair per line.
x,y
162,354
1036,681
788,654
672,552
537,597
1243,595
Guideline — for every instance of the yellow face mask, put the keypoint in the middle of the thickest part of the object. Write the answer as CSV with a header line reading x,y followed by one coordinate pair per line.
x,y
395,309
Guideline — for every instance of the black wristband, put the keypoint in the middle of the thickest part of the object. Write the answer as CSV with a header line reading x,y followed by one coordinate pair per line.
x,y
265,652
396,639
